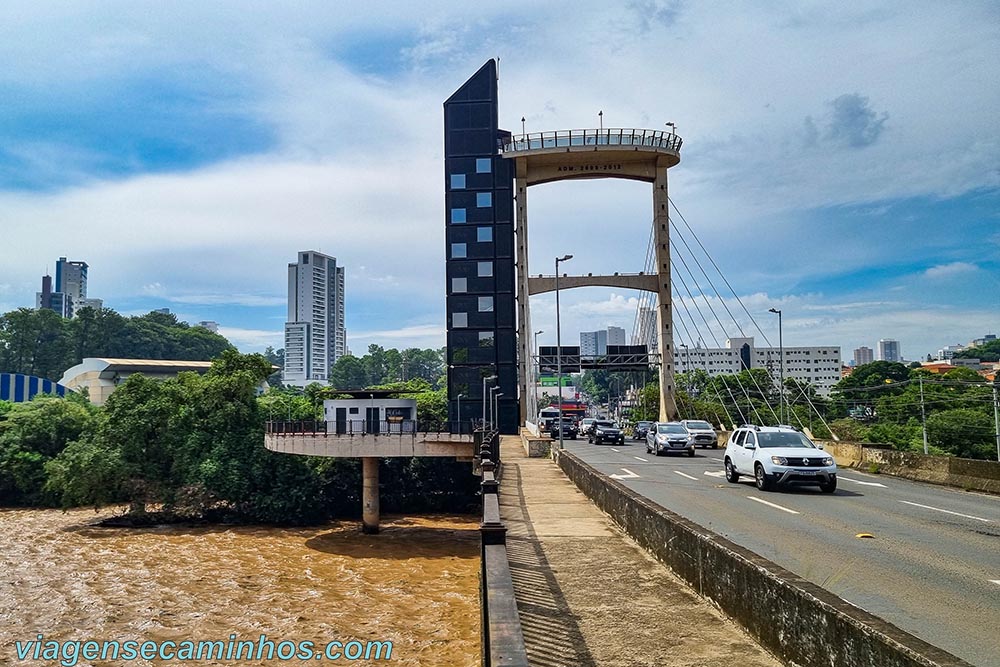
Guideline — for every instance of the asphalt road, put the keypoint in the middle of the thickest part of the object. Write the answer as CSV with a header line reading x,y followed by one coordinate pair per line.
x,y
931,568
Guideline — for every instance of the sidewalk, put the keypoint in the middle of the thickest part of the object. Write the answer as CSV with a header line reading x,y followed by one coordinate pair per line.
x,y
588,595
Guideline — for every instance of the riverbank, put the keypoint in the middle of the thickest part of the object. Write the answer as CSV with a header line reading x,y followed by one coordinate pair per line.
x,y
415,584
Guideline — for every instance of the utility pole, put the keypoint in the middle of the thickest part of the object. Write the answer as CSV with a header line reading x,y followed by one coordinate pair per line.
x,y
996,411
923,416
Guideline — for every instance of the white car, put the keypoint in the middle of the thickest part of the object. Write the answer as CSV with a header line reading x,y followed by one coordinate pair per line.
x,y
703,432
778,455
669,437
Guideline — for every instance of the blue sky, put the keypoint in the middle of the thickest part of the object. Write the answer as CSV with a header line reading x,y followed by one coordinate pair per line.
x,y
840,163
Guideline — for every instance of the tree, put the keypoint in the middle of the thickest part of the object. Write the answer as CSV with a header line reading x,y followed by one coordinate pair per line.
x,y
963,432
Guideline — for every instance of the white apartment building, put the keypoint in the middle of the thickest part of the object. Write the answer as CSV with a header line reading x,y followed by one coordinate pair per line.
x,y
818,365
315,333
647,331
595,343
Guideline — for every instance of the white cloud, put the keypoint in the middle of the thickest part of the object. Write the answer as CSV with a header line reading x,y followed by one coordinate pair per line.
x,y
253,340
950,270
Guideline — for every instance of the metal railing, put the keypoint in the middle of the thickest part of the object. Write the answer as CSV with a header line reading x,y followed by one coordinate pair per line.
x,y
357,427
502,637
602,137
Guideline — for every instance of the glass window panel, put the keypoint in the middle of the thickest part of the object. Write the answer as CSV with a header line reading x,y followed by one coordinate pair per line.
x,y
485,269
485,304
458,181
459,285
458,215
483,165
485,339
459,320
484,234
458,250
484,199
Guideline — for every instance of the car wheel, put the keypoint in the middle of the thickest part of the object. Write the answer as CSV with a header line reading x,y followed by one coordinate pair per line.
x,y
649,450
715,445
691,452
761,478
731,475
829,487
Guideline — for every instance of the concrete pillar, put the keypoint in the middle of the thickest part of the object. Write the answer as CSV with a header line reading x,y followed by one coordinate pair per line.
x,y
525,380
664,315
369,495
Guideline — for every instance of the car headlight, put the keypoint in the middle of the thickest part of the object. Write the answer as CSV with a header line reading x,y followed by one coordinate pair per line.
x,y
828,461
779,460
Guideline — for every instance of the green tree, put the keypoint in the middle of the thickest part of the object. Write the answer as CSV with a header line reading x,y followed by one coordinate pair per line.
x,y
963,432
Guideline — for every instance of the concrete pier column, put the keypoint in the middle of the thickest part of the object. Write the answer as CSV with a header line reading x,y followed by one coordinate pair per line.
x,y
369,495
664,315
526,367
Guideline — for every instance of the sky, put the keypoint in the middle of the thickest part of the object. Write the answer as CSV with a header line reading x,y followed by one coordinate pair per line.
x,y
840,163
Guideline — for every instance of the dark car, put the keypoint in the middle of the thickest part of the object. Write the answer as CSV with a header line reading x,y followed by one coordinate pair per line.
x,y
640,430
569,429
605,431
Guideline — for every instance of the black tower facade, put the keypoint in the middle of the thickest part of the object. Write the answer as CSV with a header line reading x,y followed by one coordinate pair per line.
x,y
479,251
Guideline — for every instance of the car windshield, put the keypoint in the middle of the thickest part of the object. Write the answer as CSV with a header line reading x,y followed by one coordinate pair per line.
x,y
604,424
645,424
588,421
784,439
702,426
670,428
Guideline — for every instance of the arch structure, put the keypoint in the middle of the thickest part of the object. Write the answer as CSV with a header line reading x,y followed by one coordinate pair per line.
x,y
634,154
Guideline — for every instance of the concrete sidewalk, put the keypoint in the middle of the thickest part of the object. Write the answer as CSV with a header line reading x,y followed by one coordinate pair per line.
x,y
590,596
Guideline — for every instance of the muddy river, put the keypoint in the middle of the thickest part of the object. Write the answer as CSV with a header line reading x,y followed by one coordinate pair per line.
x,y
415,584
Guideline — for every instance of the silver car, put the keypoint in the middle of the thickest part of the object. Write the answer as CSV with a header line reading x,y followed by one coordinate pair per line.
x,y
669,437
704,434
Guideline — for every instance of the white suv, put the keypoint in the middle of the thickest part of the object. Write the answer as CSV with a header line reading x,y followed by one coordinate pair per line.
x,y
775,455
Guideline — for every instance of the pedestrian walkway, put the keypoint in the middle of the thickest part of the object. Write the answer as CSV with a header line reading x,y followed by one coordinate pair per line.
x,y
589,596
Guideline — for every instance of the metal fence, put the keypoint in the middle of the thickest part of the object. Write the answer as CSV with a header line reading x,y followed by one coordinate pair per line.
x,y
366,427
600,137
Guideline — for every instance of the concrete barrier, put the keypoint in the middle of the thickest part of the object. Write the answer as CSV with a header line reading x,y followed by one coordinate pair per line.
x,y
795,619
970,474
535,446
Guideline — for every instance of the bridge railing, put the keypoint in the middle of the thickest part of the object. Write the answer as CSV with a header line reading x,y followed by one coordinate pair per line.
x,y
502,637
599,137
357,427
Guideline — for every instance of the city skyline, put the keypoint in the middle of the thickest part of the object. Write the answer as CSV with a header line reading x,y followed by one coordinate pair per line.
x,y
185,166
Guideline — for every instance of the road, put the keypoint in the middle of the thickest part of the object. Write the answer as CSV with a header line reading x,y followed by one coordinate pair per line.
x,y
931,567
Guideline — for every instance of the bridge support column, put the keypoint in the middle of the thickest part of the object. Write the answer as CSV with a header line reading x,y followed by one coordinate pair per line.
x,y
369,495
526,366
664,313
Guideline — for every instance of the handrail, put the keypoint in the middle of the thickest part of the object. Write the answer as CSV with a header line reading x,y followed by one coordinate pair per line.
x,y
668,140
365,427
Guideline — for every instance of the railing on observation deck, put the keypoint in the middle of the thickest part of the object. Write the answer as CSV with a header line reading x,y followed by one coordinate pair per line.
x,y
603,137
354,427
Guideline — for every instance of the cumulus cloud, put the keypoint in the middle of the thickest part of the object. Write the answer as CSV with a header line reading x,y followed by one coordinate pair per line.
x,y
950,270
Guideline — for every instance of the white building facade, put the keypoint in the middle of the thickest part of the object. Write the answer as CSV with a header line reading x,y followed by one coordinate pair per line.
x,y
315,333
888,350
818,365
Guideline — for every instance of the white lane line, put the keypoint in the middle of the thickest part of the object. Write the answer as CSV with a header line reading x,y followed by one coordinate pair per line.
x,y
715,459
719,473
777,507
639,458
858,481
615,450
995,581
938,509
629,474
684,474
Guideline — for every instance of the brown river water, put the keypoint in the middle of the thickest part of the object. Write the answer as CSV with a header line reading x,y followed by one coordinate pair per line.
x,y
415,584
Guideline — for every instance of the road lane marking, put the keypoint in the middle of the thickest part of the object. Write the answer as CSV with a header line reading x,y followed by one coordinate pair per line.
x,y
615,450
938,509
639,458
630,475
995,581
683,474
858,481
777,507
715,459
720,473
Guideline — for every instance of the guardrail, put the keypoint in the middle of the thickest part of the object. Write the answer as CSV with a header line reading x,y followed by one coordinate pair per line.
x,y
600,137
502,639
351,427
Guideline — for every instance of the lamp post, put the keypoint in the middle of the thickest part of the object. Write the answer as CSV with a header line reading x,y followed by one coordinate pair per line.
x,y
485,380
536,370
492,414
496,408
559,387
600,114
459,399
781,366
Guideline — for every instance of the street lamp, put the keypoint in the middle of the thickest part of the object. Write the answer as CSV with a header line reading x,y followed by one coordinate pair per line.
x,y
564,258
485,380
781,358
459,399
492,416
535,371
496,408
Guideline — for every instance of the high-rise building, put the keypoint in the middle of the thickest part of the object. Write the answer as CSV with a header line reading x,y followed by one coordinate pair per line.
x,y
595,343
69,292
863,355
616,336
646,330
315,333
888,350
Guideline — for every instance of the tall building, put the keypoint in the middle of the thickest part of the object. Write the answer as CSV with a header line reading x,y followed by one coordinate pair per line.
x,y
315,333
595,343
479,254
616,336
863,355
888,350
819,365
69,292
647,330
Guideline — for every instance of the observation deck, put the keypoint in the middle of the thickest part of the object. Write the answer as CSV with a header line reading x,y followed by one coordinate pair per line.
x,y
601,153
